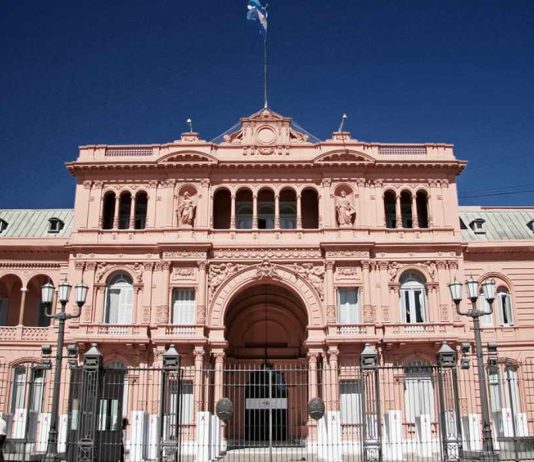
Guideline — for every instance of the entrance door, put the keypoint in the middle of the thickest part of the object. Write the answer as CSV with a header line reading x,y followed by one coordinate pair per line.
x,y
266,407
109,424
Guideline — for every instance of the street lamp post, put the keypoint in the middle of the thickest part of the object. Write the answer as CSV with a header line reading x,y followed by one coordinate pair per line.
x,y
473,291
47,294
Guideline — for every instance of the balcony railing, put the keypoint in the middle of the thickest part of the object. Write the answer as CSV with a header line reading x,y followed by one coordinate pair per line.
x,y
24,333
353,329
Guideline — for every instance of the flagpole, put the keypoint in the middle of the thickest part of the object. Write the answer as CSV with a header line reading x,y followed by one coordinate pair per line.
x,y
265,69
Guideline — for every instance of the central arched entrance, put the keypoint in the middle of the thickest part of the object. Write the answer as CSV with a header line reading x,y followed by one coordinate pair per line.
x,y
266,376
266,321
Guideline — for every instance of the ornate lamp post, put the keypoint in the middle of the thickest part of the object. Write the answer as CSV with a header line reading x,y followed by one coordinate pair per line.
x,y
473,291
47,294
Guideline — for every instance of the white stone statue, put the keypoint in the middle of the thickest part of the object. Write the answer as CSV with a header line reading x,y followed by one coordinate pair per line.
x,y
186,210
345,210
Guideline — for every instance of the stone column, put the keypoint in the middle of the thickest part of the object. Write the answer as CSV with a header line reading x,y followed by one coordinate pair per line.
x,y
232,213
313,390
219,370
330,296
132,212
277,211
299,211
100,302
24,291
147,291
415,219
116,215
367,308
165,275
255,211
398,212
199,365
333,354
202,302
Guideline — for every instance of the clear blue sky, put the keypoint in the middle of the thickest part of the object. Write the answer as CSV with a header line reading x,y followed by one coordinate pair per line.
x,y
131,71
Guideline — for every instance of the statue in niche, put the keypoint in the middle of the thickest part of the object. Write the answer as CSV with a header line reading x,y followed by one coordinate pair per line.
x,y
345,210
186,210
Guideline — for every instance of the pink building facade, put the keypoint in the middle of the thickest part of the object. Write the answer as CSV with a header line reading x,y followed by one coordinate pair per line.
x,y
266,243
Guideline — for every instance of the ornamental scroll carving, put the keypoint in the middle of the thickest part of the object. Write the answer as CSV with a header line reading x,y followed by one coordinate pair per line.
x,y
313,274
218,273
267,270
182,273
136,269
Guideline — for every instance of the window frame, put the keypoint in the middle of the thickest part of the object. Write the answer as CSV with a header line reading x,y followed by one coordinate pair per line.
x,y
118,278
358,315
410,283
191,318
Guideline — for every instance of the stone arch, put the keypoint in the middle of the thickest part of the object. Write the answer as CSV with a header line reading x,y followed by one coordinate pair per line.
x,y
421,269
281,276
499,277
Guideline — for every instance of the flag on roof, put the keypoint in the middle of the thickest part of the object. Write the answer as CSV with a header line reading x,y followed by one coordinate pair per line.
x,y
257,12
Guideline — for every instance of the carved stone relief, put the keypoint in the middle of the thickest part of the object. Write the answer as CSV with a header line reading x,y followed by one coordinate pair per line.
x,y
314,274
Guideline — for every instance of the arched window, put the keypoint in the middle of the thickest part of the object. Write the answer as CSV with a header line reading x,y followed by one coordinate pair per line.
x,y
244,206
119,299
418,391
266,209
390,209
502,309
222,209
141,204
413,298
422,209
288,209
125,207
310,209
504,306
406,209
108,213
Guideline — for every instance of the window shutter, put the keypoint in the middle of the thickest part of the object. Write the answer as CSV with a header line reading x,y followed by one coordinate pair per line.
x,y
350,402
184,307
348,309
112,312
125,304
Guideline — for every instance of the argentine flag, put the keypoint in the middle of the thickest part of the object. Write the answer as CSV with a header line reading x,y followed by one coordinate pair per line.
x,y
256,12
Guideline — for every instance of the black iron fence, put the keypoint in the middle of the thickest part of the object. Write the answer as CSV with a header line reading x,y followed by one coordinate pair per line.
x,y
416,412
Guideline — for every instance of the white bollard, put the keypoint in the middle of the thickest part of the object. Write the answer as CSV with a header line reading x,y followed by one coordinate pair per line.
x,y
393,437
423,429
138,436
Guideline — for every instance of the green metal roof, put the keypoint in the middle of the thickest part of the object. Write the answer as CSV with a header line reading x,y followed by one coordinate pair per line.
x,y
500,224
31,223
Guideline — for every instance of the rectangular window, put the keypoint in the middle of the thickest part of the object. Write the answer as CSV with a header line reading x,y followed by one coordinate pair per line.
x,y
119,305
183,307
19,389
414,305
350,398
348,305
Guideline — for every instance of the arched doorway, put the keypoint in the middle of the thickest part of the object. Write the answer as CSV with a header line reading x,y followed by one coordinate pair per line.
x,y
266,376
266,322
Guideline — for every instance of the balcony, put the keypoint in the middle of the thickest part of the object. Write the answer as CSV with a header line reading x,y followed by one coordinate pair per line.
x,y
177,333
397,332
26,334
432,331
109,333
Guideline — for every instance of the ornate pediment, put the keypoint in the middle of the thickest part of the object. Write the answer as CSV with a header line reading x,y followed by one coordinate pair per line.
x,y
187,158
266,133
343,157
